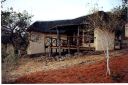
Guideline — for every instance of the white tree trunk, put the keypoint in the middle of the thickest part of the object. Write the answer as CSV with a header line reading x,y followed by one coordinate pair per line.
x,y
106,52
107,59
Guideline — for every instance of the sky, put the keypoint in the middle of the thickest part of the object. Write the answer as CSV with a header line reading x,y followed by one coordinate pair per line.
x,y
45,10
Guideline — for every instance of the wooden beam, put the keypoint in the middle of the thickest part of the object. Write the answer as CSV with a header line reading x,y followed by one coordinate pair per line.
x,y
83,37
68,45
44,45
59,43
50,49
78,34
56,45
51,45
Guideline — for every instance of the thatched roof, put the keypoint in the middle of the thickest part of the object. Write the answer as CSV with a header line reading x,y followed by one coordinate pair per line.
x,y
45,26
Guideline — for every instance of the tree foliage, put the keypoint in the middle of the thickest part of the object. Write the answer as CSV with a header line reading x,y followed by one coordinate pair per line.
x,y
113,21
14,25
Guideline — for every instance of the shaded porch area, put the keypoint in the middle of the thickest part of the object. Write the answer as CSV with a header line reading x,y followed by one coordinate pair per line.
x,y
72,41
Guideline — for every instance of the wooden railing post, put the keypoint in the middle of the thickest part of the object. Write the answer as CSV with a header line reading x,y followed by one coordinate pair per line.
x,y
59,43
56,45
68,45
83,39
78,36
51,45
45,45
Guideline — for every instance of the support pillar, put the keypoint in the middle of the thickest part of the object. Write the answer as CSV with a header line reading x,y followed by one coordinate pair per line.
x,y
51,45
59,42
56,46
78,36
68,45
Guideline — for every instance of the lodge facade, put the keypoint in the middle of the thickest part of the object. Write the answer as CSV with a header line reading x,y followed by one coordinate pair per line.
x,y
69,36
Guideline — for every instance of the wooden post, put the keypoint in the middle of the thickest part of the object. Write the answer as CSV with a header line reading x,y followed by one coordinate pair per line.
x,y
78,36
44,44
49,48
51,45
89,37
59,43
83,37
56,46
68,45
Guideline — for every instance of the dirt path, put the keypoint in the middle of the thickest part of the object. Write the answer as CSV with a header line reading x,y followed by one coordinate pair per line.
x,y
29,65
94,73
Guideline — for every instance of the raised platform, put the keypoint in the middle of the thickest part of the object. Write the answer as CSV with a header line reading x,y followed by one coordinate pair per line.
x,y
74,47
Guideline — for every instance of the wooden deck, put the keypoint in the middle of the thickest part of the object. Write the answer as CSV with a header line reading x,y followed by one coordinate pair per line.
x,y
73,48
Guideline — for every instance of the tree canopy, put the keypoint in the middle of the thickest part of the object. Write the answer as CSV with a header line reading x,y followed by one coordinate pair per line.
x,y
14,25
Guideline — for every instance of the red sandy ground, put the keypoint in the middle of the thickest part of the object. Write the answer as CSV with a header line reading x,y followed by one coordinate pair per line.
x,y
82,73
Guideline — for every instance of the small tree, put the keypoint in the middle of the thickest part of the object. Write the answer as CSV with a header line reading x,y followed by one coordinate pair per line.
x,y
105,21
15,23
98,20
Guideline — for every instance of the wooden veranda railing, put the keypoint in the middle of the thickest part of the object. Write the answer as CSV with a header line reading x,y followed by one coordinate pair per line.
x,y
69,43
52,42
